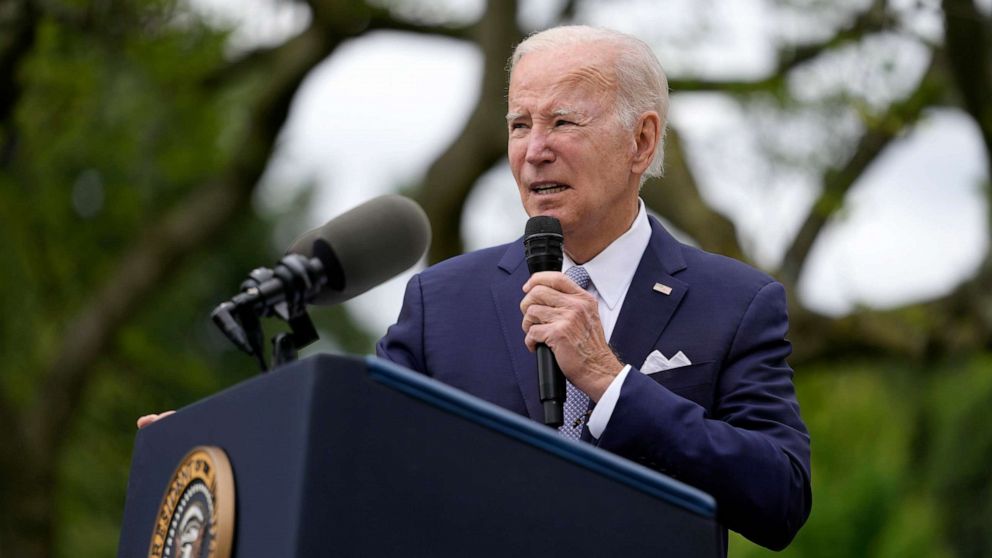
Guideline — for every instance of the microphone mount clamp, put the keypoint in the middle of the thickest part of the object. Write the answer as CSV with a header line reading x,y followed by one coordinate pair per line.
x,y
281,292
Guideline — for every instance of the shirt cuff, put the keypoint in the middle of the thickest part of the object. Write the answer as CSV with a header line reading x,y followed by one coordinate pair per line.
x,y
603,410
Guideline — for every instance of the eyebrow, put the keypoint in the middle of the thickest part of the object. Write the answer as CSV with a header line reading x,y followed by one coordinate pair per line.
x,y
564,111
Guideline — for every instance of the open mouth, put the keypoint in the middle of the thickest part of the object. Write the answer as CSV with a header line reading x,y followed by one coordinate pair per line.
x,y
548,188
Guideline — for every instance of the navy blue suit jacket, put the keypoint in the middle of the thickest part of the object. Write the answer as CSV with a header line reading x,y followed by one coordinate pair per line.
x,y
728,423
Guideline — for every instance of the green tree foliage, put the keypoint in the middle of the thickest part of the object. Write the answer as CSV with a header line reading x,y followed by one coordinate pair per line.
x,y
112,128
901,459
131,145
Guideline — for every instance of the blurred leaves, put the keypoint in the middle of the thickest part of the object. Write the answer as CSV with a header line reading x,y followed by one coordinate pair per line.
x,y
959,457
901,459
124,127
112,129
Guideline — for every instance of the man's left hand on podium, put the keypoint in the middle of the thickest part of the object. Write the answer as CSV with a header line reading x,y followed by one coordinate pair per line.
x,y
148,419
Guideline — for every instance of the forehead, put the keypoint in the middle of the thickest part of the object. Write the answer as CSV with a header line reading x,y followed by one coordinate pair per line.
x,y
576,73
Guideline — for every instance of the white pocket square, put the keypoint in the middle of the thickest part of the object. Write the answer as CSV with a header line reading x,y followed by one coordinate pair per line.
x,y
656,362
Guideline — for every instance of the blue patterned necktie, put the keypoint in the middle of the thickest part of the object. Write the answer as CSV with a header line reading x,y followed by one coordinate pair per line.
x,y
576,401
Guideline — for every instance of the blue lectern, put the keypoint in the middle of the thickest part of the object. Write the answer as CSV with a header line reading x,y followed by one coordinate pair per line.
x,y
346,456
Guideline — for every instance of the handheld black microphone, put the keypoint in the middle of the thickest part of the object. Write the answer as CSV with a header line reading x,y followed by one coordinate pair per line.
x,y
543,248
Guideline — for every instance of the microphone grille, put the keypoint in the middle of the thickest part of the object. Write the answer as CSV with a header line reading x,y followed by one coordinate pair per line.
x,y
542,224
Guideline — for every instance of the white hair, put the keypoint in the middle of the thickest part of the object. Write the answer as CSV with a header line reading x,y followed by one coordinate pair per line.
x,y
641,82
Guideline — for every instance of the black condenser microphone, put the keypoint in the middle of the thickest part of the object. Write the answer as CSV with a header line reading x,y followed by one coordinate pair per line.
x,y
365,246
543,248
344,258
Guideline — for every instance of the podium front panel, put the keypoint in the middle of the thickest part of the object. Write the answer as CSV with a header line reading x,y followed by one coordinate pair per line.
x,y
340,456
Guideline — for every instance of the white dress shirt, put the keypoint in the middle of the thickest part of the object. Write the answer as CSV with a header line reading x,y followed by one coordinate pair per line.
x,y
611,272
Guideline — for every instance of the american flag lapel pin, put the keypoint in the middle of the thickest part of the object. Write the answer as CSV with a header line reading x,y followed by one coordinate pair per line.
x,y
663,289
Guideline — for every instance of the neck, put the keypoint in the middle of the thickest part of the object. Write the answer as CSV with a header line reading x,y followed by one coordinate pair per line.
x,y
584,245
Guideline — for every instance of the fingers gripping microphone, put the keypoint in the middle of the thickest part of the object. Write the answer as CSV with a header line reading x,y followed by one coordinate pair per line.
x,y
543,249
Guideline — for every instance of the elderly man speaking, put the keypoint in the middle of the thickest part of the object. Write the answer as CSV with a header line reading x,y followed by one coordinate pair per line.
x,y
679,354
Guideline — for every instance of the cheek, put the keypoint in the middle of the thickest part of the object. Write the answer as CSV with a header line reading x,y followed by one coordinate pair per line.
x,y
515,156
606,158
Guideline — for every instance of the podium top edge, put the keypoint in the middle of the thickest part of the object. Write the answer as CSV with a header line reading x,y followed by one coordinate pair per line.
x,y
583,454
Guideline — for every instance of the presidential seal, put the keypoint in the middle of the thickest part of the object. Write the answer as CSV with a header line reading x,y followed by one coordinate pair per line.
x,y
196,516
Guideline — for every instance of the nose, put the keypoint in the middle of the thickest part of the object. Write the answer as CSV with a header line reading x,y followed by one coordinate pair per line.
x,y
538,149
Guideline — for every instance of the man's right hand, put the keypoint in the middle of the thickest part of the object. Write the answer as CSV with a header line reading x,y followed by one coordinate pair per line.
x,y
565,317
148,419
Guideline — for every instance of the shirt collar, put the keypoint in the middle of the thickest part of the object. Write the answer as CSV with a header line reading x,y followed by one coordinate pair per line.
x,y
613,269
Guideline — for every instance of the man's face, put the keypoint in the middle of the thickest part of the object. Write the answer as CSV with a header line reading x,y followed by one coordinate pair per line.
x,y
571,158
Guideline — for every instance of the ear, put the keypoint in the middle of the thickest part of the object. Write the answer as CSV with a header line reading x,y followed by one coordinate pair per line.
x,y
647,134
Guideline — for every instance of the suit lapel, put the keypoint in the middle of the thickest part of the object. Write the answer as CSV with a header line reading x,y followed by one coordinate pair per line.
x,y
647,311
507,291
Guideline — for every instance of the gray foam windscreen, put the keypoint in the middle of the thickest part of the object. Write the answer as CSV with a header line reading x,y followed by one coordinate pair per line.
x,y
367,245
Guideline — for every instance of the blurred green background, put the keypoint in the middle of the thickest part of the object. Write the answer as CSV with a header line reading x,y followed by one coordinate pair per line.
x,y
134,136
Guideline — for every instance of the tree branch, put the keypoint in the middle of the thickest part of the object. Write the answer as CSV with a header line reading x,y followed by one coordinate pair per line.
x,y
567,12
18,25
480,144
968,42
676,197
383,19
164,245
366,18
873,19
838,182
968,36
932,330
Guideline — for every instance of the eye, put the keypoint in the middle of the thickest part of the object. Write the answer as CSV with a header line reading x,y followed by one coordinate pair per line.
x,y
563,122
518,126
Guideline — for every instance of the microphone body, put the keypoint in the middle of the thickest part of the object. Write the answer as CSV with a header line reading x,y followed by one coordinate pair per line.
x,y
543,248
365,246
347,256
